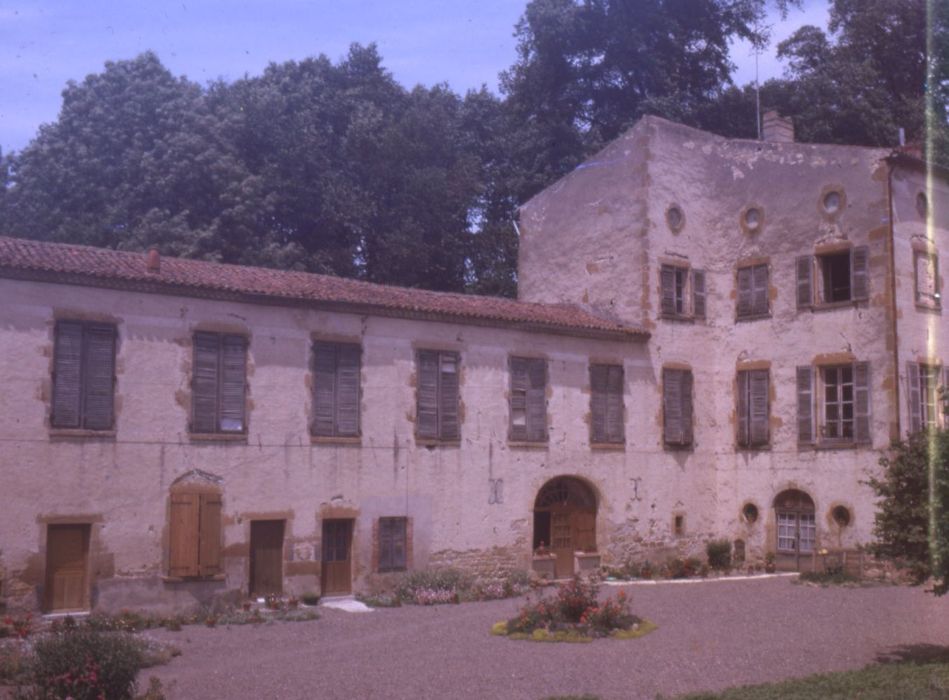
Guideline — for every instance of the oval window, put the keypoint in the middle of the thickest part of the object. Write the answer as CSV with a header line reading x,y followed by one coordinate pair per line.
x,y
841,515
752,218
832,202
675,218
750,512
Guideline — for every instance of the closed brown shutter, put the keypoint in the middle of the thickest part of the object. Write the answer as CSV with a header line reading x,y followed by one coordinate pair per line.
x,y
615,431
426,425
805,282
204,383
759,411
347,389
518,402
698,293
209,555
860,273
744,410
598,383
914,397
67,375
98,376
805,404
667,278
392,537
183,535
861,391
449,428
324,389
677,406
745,291
759,305
537,400
233,381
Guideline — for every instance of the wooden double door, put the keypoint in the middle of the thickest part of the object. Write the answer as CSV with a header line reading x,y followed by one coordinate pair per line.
x,y
67,568
336,570
266,557
564,531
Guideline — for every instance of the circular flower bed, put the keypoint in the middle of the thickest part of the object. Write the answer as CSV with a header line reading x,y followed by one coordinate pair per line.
x,y
575,614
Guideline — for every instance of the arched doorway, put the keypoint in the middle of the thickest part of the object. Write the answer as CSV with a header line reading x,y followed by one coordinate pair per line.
x,y
796,523
565,521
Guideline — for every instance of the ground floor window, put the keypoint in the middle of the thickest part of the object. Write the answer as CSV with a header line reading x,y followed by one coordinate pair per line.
x,y
796,521
392,544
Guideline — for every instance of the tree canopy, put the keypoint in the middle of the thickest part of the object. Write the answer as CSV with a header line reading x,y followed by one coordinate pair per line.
x,y
337,168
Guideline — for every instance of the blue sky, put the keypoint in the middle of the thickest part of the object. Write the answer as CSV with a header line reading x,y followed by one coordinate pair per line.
x,y
466,43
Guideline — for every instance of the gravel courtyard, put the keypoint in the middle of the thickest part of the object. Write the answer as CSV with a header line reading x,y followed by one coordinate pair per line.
x,y
711,635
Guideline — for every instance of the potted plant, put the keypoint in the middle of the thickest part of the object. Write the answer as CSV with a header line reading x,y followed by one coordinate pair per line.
x,y
769,565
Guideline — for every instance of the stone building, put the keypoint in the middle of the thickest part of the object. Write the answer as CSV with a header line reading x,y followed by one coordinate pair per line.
x,y
714,338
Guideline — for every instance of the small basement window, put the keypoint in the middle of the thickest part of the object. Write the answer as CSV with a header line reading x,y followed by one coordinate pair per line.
x,y
678,525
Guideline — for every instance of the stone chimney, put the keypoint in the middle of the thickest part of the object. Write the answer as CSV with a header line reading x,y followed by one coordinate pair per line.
x,y
776,128
153,261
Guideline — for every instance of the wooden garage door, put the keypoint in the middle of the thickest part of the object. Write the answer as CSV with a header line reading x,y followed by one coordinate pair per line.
x,y
67,566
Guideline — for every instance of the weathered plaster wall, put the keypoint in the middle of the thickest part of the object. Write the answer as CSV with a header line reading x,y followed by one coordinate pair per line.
x,y
713,180
121,482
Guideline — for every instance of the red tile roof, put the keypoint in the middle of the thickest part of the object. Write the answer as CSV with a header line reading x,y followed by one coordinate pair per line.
x,y
84,265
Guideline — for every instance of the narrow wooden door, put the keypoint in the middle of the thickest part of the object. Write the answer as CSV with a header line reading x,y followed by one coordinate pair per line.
x,y
67,566
561,543
337,548
266,557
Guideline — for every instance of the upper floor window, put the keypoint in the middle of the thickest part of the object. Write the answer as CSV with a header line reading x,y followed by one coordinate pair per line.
x,y
528,399
218,383
336,389
923,397
753,408
752,291
677,407
833,404
607,410
841,276
926,275
437,396
683,292
83,376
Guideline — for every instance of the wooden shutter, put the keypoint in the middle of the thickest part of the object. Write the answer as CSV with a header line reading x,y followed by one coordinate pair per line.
x,y
392,540
324,389
67,375
914,397
204,383
677,411
537,400
805,404
233,381
805,282
183,535
686,403
745,292
518,402
667,279
698,293
861,392
426,424
614,404
758,399
759,304
598,402
385,544
860,273
98,376
449,428
347,389
209,541
744,410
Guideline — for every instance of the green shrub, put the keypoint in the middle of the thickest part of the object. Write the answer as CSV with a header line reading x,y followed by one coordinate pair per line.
x,y
84,663
682,568
719,554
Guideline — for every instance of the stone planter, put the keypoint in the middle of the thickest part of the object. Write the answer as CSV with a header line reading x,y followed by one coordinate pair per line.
x,y
545,565
586,562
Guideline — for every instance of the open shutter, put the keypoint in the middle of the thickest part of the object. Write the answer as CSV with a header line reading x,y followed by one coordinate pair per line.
x,y
385,544
861,391
672,425
614,404
860,272
537,400
686,403
448,424
744,410
667,279
805,404
183,535
209,554
347,389
698,293
324,389
399,538
598,401
519,391
426,409
805,282
758,407
914,397
98,376
745,291
204,383
233,381
759,304
67,376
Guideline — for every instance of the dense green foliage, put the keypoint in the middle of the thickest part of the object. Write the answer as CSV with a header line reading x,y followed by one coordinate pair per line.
x,y
912,521
719,553
335,167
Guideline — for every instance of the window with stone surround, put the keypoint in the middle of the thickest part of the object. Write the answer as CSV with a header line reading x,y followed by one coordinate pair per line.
x,y
194,533
437,396
393,540
925,383
528,399
83,376
752,297
677,407
753,408
218,383
926,274
607,408
833,277
682,292
336,389
833,404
